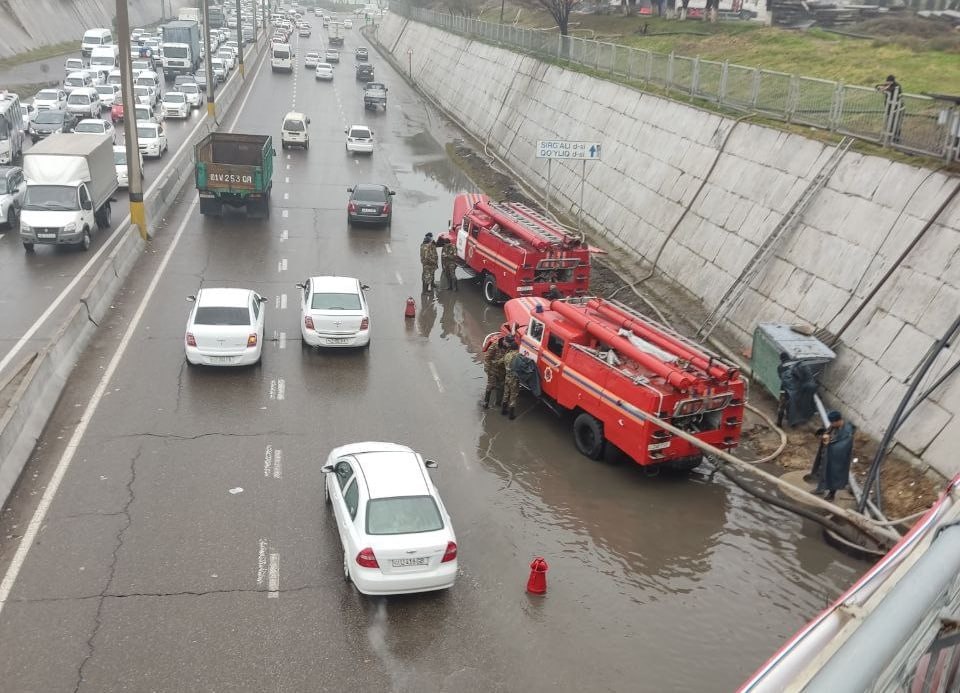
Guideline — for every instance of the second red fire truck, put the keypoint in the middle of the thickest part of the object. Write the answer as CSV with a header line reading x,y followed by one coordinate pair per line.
x,y
605,364
516,251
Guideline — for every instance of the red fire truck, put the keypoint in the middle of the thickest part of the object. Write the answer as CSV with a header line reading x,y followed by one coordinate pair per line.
x,y
604,362
516,251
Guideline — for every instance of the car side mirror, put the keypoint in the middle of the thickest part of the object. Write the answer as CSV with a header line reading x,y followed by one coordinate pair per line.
x,y
430,464
191,298
372,132
262,299
87,204
391,192
308,121
301,285
364,287
327,468
345,130
349,189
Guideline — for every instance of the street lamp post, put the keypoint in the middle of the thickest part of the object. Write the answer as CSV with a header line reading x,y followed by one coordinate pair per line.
x,y
138,215
240,45
208,64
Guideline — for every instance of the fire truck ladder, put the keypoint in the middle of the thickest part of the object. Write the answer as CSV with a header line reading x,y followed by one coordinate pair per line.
x,y
736,290
540,226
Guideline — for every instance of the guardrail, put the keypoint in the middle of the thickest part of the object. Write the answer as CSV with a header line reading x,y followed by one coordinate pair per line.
x,y
908,122
41,377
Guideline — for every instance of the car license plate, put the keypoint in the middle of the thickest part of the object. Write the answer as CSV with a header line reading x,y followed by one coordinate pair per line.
x,y
337,340
368,210
658,446
221,359
46,235
404,562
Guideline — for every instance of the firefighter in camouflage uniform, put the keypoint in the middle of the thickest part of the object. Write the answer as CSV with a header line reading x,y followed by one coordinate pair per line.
x,y
511,384
428,260
493,366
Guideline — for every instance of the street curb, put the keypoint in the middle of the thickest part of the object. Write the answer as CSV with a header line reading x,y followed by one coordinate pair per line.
x,y
23,419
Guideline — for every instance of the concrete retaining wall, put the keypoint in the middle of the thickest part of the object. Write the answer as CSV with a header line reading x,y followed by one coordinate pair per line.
x,y
656,155
36,395
29,24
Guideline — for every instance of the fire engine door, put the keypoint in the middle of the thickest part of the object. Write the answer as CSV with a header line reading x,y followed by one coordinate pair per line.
x,y
462,235
549,367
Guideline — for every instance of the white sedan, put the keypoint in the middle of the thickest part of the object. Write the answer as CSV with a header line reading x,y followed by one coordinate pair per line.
x,y
175,105
192,93
311,59
120,163
324,71
95,126
396,535
347,23
359,139
225,328
334,312
152,138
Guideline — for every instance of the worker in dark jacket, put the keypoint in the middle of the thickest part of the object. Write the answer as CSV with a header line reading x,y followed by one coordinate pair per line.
x,y
511,384
493,367
838,439
797,388
428,260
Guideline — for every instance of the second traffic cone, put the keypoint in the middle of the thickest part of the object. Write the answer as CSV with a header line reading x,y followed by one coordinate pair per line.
x,y
537,583
411,308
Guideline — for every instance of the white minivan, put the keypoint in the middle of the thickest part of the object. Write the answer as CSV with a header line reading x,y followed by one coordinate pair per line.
x,y
295,131
105,57
281,57
93,39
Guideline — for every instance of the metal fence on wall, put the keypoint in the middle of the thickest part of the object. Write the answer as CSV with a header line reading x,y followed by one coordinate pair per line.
x,y
908,122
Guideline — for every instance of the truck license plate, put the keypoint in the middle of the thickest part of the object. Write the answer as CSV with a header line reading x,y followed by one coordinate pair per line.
x,y
658,446
403,562
46,236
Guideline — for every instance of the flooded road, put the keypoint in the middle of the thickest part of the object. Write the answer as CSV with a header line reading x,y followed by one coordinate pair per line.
x,y
149,573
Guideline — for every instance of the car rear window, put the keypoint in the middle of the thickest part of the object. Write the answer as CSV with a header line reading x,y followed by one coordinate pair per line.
x,y
335,302
222,315
403,515
357,133
293,125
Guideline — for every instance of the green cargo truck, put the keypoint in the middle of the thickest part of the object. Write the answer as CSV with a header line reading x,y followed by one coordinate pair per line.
x,y
234,170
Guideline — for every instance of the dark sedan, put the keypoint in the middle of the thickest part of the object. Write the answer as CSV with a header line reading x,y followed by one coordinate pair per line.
x,y
48,122
365,72
370,204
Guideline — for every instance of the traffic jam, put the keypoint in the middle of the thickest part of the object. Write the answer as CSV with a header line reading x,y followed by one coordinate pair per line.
x,y
511,487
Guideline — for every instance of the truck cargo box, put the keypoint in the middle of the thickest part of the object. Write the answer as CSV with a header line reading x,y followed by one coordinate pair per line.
x,y
68,159
234,169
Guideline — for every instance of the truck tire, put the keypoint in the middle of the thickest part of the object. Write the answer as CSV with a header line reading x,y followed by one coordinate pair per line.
x,y
86,241
28,246
588,435
211,207
491,293
103,218
11,217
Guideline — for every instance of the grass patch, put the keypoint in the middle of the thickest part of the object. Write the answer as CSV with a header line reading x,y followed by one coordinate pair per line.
x,y
28,91
924,56
41,53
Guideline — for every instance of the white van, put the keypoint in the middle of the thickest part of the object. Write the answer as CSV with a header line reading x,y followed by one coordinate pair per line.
x,y
105,57
295,131
11,127
94,38
281,57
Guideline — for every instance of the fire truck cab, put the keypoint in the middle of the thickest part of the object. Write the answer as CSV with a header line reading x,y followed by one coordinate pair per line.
x,y
516,251
605,363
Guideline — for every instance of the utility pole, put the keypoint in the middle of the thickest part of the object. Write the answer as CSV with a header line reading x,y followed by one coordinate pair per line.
x,y
208,64
240,37
138,214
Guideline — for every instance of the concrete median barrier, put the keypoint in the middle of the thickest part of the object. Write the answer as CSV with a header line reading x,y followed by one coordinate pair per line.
x,y
39,382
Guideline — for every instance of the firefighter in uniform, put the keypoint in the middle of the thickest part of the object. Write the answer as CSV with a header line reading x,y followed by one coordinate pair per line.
x,y
494,368
448,260
428,260
511,385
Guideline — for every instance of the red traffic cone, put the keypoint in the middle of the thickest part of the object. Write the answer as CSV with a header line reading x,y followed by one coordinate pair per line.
x,y
411,308
537,584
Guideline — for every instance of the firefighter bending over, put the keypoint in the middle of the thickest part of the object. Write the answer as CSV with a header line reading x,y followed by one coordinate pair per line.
x,y
428,260
511,384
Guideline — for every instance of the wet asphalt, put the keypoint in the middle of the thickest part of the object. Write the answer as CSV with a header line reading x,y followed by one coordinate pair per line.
x,y
148,572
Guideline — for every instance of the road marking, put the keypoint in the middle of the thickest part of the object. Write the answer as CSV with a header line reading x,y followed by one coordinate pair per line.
x,y
281,388
288,167
436,376
286,196
284,235
283,301
278,464
2,235
387,246
82,273
261,561
288,156
399,278
268,461
285,213
43,507
273,463
283,340
282,265
285,180
273,581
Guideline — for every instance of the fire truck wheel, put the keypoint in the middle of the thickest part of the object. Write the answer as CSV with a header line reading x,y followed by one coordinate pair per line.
x,y
491,293
588,434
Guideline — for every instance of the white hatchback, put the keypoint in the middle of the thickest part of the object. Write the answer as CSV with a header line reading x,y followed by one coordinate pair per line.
x,y
334,312
225,328
152,138
359,139
175,105
95,126
324,71
396,535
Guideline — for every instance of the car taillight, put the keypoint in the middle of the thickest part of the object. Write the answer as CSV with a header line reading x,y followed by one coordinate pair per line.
x,y
366,559
451,552
351,207
365,324
191,341
252,340
386,209
308,322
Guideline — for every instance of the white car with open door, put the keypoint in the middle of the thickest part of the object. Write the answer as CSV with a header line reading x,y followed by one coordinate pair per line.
x,y
396,534
225,328
334,312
